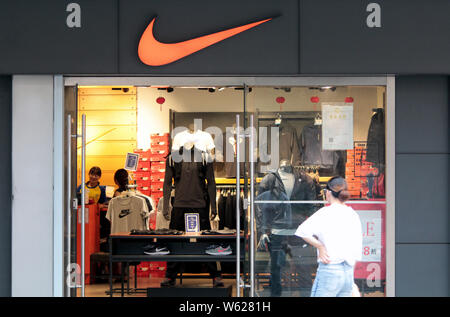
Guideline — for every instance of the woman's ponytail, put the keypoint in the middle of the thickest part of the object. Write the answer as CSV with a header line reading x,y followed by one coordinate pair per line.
x,y
339,188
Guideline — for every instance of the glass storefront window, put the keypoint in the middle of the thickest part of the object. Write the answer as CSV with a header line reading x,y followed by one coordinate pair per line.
x,y
306,135
303,136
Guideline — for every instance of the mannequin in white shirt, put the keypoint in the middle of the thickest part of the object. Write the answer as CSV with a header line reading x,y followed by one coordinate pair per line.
x,y
193,136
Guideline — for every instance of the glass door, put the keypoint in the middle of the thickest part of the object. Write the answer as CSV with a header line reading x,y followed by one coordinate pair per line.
x,y
246,133
76,212
117,124
72,268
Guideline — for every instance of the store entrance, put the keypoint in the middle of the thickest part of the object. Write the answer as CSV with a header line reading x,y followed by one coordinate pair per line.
x,y
239,137
126,124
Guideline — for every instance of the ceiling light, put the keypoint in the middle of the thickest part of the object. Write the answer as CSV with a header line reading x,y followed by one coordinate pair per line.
x,y
332,88
242,88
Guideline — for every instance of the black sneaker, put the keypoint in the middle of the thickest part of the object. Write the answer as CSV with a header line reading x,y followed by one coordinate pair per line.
x,y
217,282
153,249
168,282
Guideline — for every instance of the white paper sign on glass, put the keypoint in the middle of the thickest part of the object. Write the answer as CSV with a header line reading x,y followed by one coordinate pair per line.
x,y
337,126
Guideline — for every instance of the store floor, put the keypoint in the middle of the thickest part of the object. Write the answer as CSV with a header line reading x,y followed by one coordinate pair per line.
x,y
100,290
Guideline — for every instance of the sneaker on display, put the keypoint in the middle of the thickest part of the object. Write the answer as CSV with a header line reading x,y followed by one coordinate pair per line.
x,y
153,249
218,250
217,282
168,282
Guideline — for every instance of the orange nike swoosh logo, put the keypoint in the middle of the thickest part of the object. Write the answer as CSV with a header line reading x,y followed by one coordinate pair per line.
x,y
154,53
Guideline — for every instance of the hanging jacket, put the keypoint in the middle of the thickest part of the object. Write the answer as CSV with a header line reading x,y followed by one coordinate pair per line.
x,y
311,148
288,146
304,190
376,138
226,158
221,210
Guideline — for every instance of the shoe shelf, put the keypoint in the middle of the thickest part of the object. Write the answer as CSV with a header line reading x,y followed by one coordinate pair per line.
x,y
175,258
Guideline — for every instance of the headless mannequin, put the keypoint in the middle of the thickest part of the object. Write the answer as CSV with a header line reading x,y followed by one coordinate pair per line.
x,y
288,179
286,172
178,212
276,242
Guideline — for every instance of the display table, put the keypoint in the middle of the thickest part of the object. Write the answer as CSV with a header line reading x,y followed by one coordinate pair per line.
x,y
127,248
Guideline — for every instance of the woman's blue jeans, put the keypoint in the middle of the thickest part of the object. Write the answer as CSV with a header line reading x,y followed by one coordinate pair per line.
x,y
333,280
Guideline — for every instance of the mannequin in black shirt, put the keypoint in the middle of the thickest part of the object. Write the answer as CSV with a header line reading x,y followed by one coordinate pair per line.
x,y
195,192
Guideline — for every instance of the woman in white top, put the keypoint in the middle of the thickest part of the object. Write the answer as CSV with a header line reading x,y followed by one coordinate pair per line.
x,y
335,231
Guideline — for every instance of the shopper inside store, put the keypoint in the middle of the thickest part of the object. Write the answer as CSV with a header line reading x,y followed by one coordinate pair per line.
x,y
96,193
121,180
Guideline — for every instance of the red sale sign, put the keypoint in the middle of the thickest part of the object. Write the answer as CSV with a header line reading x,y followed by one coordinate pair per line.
x,y
373,222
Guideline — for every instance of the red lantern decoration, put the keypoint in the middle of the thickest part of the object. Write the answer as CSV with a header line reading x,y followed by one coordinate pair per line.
x,y
160,100
280,100
315,99
349,99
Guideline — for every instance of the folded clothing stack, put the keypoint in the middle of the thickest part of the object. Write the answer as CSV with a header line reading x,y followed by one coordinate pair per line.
x,y
159,232
219,232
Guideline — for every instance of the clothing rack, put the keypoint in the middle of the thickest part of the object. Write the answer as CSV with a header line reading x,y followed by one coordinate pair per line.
x,y
225,186
307,168
232,181
268,115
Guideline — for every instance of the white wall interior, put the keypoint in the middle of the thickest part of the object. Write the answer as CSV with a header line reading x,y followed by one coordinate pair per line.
x,y
154,118
32,186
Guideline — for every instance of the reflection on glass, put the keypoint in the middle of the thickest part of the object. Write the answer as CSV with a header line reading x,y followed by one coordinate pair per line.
x,y
277,221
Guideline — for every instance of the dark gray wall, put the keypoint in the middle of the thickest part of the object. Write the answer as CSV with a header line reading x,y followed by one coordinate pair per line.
x,y
38,41
422,186
5,185
412,39
304,37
